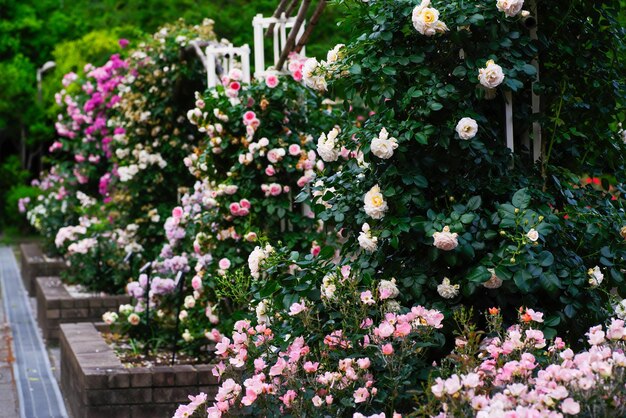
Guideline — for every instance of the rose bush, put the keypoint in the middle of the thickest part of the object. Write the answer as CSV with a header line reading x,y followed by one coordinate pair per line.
x,y
435,199
258,152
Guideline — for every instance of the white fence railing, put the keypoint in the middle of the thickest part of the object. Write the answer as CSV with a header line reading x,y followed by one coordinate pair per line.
x,y
228,57
280,34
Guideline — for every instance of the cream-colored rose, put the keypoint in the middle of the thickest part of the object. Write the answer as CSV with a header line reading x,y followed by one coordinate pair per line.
x,y
366,240
327,146
375,204
595,276
334,54
109,317
491,76
426,19
383,146
467,128
494,281
133,319
445,240
532,235
447,290
510,8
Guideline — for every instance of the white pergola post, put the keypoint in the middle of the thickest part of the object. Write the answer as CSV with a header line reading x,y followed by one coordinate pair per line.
x,y
536,100
508,97
279,39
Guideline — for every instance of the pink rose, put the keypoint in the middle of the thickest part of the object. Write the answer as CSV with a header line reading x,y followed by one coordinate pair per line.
x,y
248,117
177,212
387,349
294,149
234,208
271,80
270,171
303,181
275,189
224,264
445,240
315,250
310,367
245,203
79,158
196,283
235,85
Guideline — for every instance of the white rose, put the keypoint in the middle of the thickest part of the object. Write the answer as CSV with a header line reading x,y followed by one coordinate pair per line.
x,y
467,128
532,235
620,309
327,146
366,241
333,55
426,19
510,7
445,240
375,204
383,146
491,76
447,290
595,276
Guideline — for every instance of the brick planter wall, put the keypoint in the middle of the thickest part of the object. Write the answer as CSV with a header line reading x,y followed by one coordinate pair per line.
x,y
56,306
36,264
97,385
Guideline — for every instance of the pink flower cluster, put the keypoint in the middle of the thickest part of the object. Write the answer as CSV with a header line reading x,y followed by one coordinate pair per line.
x,y
512,382
295,64
241,208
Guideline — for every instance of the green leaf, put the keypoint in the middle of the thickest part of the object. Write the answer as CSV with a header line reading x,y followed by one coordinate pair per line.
x,y
436,106
459,71
529,69
521,199
479,275
355,69
467,218
474,202
546,259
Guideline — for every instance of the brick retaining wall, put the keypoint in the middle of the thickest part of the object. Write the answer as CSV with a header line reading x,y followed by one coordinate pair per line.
x,y
36,264
56,306
97,385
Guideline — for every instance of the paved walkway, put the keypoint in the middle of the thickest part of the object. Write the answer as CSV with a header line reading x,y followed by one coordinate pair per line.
x,y
37,389
8,389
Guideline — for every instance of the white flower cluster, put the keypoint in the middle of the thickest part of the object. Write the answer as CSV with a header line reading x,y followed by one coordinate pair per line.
x,y
426,20
68,233
313,75
83,246
256,257
595,276
511,8
447,290
368,242
329,286
327,146
383,146
375,204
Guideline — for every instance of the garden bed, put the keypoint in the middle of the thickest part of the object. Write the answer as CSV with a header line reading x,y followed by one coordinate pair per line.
x,y
57,305
35,263
97,384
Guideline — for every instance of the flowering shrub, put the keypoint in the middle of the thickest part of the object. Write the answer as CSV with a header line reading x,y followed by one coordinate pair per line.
x,y
434,198
351,351
151,134
516,372
257,154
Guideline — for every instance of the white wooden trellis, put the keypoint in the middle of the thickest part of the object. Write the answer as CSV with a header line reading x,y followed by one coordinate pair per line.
x,y
281,24
226,55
